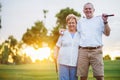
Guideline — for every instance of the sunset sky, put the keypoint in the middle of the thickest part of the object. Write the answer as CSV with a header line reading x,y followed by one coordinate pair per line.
x,y
18,15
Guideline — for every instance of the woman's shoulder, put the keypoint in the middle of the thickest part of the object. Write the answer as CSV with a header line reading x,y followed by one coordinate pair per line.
x,y
66,32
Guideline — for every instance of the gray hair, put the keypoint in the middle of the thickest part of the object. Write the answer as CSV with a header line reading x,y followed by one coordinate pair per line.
x,y
88,3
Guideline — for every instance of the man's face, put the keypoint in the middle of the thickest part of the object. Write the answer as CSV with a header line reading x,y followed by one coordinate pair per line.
x,y
88,10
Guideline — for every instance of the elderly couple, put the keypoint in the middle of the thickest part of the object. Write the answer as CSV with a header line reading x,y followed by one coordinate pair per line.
x,y
81,46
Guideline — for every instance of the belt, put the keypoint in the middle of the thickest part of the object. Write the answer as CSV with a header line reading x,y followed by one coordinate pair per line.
x,y
89,47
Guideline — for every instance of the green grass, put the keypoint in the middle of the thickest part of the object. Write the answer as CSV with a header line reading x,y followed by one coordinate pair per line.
x,y
111,70
46,71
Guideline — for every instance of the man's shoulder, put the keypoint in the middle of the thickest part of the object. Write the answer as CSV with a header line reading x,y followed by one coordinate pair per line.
x,y
98,17
81,19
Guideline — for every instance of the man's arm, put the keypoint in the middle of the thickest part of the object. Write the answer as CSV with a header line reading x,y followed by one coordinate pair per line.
x,y
61,31
107,29
106,25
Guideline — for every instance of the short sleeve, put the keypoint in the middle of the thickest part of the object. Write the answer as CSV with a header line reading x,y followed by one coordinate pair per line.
x,y
102,24
78,26
59,42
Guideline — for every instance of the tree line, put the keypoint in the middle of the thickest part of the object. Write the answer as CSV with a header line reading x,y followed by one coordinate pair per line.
x,y
34,37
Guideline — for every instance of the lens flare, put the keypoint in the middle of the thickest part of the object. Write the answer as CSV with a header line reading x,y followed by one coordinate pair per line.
x,y
37,54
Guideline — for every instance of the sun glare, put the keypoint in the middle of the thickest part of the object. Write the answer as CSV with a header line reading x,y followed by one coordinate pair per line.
x,y
37,54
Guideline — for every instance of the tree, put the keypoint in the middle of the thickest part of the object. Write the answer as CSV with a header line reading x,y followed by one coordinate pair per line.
x,y
1,52
10,47
12,41
12,44
107,57
14,47
54,36
117,58
0,15
45,12
61,16
36,35
5,53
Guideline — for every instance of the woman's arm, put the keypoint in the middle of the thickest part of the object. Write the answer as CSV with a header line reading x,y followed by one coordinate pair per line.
x,y
56,50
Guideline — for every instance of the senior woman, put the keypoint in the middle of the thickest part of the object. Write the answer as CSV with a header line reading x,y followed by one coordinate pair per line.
x,y
66,50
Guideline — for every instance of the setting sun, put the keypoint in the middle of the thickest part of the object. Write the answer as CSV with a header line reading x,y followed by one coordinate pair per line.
x,y
41,53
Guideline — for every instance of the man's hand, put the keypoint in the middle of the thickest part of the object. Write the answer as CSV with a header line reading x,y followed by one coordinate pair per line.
x,y
104,18
61,31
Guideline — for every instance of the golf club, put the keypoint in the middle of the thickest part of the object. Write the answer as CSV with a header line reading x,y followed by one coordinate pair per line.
x,y
109,15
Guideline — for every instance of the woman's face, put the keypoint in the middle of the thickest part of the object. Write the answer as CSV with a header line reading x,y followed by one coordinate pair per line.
x,y
72,24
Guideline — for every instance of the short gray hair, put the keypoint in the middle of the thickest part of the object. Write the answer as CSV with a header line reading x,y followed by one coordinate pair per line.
x,y
88,4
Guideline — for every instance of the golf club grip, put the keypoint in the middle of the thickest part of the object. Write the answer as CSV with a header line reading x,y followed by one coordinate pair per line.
x,y
109,15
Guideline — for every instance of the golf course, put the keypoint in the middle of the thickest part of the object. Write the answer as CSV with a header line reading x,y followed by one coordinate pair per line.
x,y
46,71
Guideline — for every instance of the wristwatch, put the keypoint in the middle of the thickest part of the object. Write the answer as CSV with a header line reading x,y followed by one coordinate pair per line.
x,y
105,22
